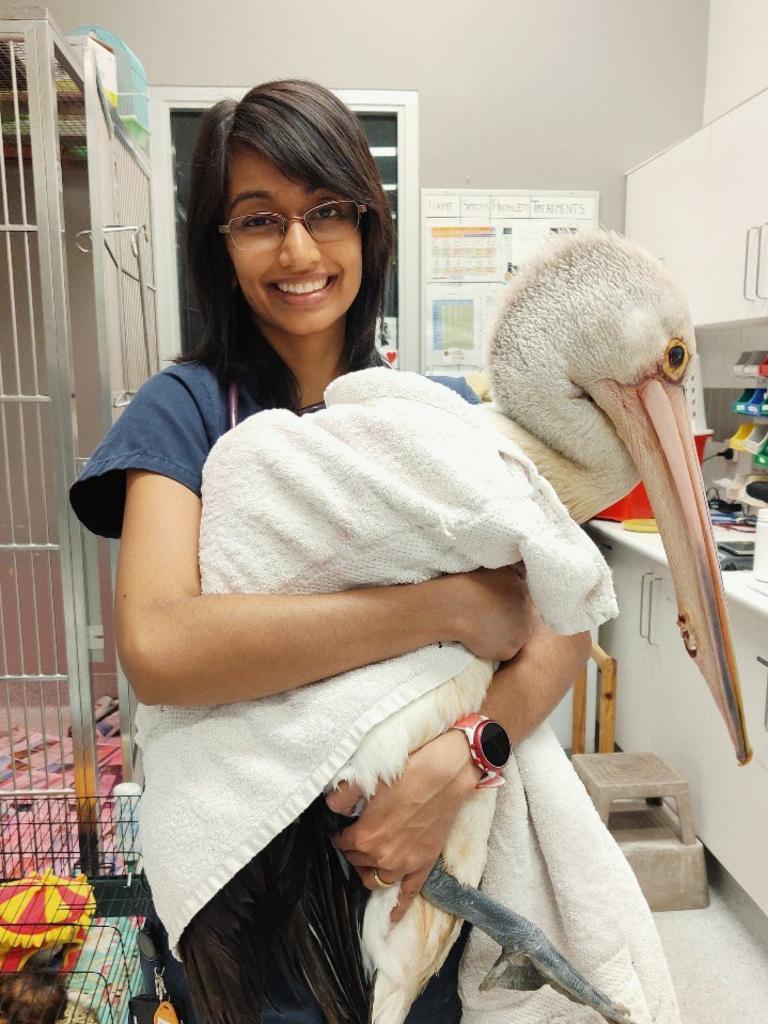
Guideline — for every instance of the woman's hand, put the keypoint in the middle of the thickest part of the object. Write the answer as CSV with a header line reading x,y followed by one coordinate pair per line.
x,y
403,828
494,613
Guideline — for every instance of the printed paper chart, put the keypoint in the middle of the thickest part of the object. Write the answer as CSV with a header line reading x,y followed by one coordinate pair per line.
x,y
474,242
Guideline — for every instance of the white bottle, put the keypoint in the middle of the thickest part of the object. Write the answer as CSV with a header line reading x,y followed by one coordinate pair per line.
x,y
761,546
127,796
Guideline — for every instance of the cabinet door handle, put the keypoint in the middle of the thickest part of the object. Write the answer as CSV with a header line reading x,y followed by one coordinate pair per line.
x,y
764,663
749,298
642,604
758,293
654,581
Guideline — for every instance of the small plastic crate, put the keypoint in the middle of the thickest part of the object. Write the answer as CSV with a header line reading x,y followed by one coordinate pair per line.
x,y
72,904
132,85
133,95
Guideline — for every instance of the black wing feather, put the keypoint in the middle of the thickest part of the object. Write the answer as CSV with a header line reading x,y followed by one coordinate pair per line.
x,y
294,906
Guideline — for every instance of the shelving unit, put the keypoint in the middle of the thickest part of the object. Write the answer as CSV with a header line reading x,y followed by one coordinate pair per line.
x,y
14,110
751,438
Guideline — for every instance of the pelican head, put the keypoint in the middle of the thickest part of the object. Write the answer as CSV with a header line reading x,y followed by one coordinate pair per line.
x,y
589,356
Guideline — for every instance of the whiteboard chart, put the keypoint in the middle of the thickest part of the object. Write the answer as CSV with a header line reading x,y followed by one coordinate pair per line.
x,y
474,241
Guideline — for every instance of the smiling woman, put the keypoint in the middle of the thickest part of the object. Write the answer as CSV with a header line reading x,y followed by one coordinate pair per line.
x,y
289,241
299,272
266,172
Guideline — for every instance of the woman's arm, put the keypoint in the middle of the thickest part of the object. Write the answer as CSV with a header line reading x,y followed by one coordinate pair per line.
x,y
530,686
404,826
180,647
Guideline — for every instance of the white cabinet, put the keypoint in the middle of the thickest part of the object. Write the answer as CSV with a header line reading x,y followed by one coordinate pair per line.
x,y
632,633
738,212
667,212
664,706
730,802
702,207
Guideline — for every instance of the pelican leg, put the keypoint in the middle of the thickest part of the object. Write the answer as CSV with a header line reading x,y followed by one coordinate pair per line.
x,y
528,959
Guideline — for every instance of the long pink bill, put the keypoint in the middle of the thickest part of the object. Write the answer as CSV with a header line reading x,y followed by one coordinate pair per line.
x,y
652,421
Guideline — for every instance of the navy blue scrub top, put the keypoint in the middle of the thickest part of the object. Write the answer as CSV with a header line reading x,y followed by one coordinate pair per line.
x,y
169,428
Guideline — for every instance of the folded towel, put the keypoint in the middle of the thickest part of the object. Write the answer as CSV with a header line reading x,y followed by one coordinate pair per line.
x,y
552,859
398,480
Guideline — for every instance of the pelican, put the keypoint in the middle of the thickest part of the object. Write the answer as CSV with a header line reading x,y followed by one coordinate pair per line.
x,y
588,361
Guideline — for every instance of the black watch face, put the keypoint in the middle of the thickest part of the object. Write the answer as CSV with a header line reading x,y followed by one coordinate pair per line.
x,y
495,744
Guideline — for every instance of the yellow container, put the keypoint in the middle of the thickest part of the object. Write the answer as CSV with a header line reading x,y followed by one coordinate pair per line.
x,y
741,435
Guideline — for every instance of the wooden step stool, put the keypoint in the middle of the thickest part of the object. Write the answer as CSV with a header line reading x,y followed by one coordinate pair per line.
x,y
666,856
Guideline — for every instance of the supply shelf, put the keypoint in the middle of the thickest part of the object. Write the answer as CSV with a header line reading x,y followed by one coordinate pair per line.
x,y
752,404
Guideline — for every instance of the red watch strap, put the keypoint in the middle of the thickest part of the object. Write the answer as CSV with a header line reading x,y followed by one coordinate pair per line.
x,y
492,777
470,721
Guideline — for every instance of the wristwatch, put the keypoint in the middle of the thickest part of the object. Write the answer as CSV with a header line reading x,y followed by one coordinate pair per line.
x,y
489,747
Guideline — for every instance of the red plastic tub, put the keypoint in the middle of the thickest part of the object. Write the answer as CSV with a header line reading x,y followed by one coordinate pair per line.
x,y
635,505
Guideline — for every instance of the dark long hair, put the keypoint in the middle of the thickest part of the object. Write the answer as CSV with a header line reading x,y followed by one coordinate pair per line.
x,y
312,138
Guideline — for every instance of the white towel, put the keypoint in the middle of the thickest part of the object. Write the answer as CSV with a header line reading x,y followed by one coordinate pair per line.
x,y
552,859
397,481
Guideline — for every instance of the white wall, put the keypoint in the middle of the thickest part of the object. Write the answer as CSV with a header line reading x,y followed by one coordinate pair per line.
x,y
737,58
513,93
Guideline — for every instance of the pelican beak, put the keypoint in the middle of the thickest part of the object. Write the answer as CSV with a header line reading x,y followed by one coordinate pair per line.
x,y
652,421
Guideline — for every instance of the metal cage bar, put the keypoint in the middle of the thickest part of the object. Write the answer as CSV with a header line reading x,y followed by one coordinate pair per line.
x,y
123,277
55,579
38,641
47,173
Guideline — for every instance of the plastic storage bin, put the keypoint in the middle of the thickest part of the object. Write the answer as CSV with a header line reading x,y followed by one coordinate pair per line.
x,y
132,86
636,505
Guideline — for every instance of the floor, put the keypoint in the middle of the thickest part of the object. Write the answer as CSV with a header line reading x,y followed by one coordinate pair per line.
x,y
719,956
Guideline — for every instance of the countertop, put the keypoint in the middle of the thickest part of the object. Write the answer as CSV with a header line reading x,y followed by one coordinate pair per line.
x,y
737,584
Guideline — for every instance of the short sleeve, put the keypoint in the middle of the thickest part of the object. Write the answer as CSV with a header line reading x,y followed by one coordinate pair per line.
x,y
169,428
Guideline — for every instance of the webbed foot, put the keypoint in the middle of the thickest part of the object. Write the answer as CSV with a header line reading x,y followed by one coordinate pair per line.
x,y
528,959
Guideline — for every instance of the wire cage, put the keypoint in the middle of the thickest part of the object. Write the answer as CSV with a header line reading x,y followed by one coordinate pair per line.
x,y
77,340
72,904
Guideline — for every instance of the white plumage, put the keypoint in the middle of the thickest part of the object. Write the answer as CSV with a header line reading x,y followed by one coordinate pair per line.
x,y
405,957
590,309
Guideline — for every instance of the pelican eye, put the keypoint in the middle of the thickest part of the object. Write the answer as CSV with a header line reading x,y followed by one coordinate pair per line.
x,y
676,359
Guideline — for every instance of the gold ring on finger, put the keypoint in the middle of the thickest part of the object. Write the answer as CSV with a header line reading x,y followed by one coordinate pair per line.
x,y
380,881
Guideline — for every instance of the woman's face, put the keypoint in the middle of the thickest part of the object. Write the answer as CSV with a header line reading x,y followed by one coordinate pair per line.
x,y
269,280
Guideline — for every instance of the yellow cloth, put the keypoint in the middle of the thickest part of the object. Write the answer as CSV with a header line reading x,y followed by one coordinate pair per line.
x,y
42,910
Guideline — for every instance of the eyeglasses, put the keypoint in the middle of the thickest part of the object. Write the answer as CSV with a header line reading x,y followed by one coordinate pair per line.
x,y
328,222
